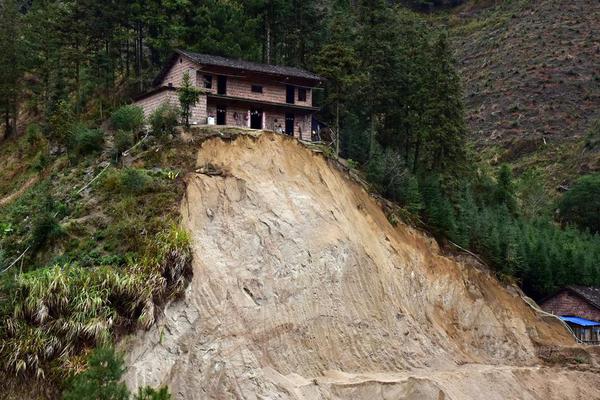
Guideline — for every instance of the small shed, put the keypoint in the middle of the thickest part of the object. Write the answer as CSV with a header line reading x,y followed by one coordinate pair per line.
x,y
586,330
579,307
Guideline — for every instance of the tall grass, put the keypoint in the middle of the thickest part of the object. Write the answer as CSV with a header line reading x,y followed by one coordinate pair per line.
x,y
53,314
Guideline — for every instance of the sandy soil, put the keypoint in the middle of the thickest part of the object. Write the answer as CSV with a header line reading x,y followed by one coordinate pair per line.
x,y
303,290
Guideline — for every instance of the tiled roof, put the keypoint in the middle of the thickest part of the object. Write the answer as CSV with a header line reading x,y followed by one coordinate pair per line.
x,y
589,293
207,59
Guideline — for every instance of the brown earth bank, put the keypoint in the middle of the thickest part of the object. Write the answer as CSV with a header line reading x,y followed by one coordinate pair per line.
x,y
302,289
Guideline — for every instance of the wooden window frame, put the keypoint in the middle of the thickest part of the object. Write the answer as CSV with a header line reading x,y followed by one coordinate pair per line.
x,y
208,79
302,94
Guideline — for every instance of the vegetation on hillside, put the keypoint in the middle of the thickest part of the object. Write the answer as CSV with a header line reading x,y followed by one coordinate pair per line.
x,y
532,85
101,380
89,242
92,249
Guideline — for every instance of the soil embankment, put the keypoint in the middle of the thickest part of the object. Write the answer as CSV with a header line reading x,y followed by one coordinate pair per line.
x,y
303,290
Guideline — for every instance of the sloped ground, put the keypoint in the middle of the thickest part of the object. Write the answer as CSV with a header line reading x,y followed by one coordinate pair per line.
x,y
532,80
303,290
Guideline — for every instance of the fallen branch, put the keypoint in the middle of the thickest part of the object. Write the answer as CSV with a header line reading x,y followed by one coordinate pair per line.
x,y
470,253
16,260
126,152
92,181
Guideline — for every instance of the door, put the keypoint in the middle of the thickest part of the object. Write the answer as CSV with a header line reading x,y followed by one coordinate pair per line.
x,y
289,124
289,94
221,84
256,117
221,115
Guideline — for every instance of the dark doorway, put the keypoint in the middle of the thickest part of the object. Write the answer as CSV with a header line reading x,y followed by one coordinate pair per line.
x,y
256,117
289,124
289,94
221,84
221,115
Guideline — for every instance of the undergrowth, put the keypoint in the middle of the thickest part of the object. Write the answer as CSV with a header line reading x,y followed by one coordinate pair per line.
x,y
100,252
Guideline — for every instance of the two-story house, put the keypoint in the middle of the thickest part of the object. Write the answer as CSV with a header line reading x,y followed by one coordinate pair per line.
x,y
239,93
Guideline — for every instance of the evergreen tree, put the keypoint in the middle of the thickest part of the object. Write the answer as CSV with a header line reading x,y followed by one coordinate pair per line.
x,y
188,97
581,204
339,65
505,191
12,60
101,380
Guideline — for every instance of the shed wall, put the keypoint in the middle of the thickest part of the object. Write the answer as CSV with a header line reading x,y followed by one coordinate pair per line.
x,y
567,303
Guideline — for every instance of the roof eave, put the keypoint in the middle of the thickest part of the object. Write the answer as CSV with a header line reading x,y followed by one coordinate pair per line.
x,y
574,290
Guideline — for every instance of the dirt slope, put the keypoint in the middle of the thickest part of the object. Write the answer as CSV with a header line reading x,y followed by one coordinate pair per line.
x,y
303,290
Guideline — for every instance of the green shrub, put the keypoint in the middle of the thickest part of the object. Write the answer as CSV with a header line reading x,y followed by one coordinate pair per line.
x,y
135,180
128,180
101,379
123,141
148,393
581,204
40,161
44,227
33,134
352,164
84,141
61,122
128,118
164,120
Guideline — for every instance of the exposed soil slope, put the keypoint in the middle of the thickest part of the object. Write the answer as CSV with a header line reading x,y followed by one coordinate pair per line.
x,y
303,290
532,77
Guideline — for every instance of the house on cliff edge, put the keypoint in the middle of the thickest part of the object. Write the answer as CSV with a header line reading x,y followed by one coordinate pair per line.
x,y
239,93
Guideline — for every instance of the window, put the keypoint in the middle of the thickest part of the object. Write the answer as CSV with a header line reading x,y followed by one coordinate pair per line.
x,y
257,89
208,81
221,84
301,94
289,94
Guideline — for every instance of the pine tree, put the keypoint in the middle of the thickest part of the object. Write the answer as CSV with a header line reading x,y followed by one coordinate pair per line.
x,y
12,60
339,65
188,97
505,191
101,380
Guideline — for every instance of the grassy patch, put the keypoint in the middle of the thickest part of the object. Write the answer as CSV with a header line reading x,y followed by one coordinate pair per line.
x,y
104,251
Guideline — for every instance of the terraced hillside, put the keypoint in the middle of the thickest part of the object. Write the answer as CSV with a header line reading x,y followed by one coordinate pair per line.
x,y
531,73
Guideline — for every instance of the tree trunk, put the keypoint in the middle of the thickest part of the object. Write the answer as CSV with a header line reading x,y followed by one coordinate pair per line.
x,y
372,136
417,150
15,112
267,39
139,56
7,129
337,128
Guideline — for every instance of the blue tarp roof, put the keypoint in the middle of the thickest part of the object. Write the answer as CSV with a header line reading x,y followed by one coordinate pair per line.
x,y
580,321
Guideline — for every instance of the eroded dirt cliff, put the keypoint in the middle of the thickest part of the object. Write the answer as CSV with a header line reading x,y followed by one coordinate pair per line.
x,y
303,290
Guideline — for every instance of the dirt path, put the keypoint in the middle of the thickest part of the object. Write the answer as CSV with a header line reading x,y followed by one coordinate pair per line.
x,y
29,183
303,290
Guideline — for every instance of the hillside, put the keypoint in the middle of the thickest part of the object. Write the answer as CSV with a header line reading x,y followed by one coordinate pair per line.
x,y
532,83
302,289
